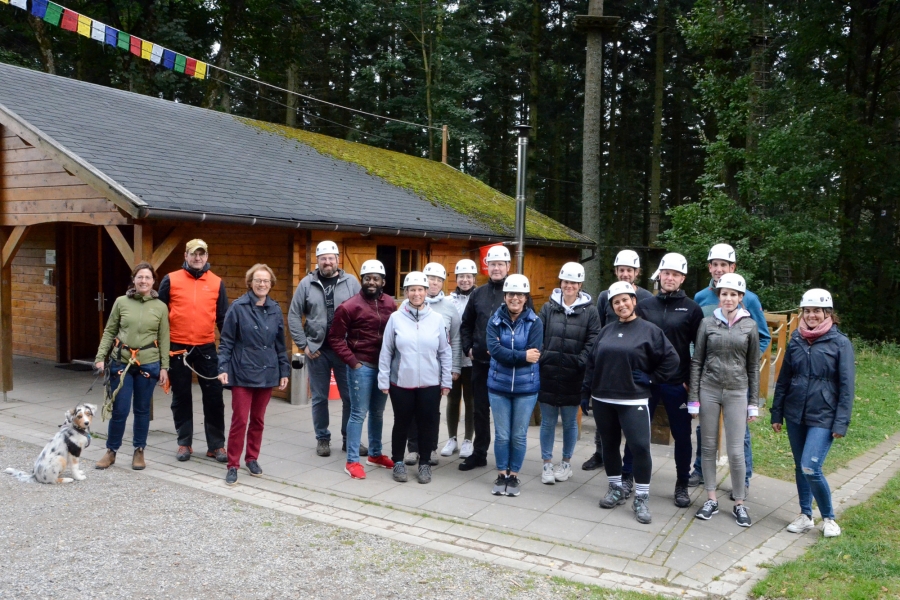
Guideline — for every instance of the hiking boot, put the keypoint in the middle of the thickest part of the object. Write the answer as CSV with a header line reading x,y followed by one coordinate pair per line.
x,y
830,528
593,463
628,484
695,479
467,448
323,447
425,473
512,486
254,468
219,454
615,496
740,515
184,453
801,524
682,497
641,508
472,462
137,461
562,471
433,461
355,470
108,460
449,447
400,475
231,476
709,508
499,488
412,458
380,461
547,474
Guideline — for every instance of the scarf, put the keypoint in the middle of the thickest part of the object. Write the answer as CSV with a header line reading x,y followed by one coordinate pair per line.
x,y
811,335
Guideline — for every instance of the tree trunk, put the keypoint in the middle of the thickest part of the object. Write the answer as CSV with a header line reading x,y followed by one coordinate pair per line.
x,y
656,154
593,123
44,43
217,92
533,94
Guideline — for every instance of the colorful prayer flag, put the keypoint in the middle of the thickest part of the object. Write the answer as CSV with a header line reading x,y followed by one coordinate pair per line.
x,y
180,63
39,8
98,31
156,53
123,41
54,13
146,49
23,4
112,36
168,59
69,20
200,71
4,1
190,66
136,45
84,26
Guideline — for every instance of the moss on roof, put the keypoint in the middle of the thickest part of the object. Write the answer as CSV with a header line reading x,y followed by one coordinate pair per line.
x,y
436,182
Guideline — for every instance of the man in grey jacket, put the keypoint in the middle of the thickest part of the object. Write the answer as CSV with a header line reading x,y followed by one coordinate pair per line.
x,y
316,298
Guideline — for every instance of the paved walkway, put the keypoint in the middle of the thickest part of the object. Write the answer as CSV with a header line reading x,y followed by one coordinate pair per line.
x,y
552,530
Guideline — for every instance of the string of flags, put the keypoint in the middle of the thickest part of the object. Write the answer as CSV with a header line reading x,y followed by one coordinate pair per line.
x,y
70,20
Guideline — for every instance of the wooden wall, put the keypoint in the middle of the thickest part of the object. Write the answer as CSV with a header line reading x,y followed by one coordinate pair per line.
x,y
33,303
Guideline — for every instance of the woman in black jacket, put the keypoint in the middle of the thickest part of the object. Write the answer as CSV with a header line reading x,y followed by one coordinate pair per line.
x,y
252,360
571,323
814,394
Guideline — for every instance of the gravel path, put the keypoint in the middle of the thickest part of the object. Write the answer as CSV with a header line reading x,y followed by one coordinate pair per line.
x,y
124,534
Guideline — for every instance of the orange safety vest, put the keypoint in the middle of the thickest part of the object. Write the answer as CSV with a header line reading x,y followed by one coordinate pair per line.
x,y
192,307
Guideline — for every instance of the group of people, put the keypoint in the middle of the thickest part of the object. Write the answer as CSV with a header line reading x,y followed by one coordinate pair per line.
x,y
486,348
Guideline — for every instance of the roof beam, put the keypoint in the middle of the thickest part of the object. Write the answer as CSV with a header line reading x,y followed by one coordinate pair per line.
x,y
166,247
121,243
13,243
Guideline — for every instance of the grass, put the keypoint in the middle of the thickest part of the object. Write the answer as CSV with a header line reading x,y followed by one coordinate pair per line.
x,y
573,590
875,416
863,563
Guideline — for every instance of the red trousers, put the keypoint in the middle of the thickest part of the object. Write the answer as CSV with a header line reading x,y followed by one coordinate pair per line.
x,y
247,404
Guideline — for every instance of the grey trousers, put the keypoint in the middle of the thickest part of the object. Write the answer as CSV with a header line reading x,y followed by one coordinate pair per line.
x,y
732,404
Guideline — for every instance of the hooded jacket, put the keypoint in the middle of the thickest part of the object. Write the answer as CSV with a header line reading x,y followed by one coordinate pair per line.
x,y
569,333
137,321
309,302
508,341
679,317
483,303
416,352
442,305
604,308
460,299
355,334
726,356
709,301
252,347
816,384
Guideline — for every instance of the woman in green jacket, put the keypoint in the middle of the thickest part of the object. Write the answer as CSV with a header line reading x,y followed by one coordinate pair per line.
x,y
137,341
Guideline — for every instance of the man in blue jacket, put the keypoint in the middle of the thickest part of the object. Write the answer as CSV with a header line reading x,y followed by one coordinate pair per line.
x,y
722,259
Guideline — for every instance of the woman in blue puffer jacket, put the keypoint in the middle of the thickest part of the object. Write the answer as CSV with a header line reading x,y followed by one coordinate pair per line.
x,y
814,394
515,337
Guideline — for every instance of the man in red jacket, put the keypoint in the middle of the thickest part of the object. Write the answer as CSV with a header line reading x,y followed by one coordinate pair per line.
x,y
355,336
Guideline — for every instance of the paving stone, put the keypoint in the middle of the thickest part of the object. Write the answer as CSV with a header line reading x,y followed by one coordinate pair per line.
x,y
644,570
606,562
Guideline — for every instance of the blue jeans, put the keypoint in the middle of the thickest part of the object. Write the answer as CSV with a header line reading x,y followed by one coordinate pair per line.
x,y
810,446
512,412
549,416
137,388
365,397
748,456
674,399
320,384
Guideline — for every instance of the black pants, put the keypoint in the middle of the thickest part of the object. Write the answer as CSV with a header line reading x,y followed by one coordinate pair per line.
x,y
613,420
420,406
205,361
412,443
482,409
674,398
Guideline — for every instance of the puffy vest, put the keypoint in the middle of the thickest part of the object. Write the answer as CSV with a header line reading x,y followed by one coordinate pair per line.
x,y
192,307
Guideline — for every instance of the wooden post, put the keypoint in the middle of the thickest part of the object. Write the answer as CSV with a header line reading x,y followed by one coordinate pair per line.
x,y
143,243
6,371
444,136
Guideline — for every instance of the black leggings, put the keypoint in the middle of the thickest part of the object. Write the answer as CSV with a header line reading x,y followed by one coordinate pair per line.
x,y
419,405
614,419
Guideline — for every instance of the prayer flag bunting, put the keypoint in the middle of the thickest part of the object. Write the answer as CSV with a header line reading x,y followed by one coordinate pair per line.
x,y
23,4
112,36
54,13
98,31
39,8
168,59
4,1
123,41
84,26
156,53
200,71
146,49
69,20
190,67
180,63
136,45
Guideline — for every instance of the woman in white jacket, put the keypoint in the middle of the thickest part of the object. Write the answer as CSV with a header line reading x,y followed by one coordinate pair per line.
x,y
415,369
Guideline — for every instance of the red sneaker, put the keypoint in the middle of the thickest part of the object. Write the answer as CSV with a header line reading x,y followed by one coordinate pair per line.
x,y
355,470
380,461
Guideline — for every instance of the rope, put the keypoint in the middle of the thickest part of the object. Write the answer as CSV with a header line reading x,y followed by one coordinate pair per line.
x,y
772,361
184,354
780,327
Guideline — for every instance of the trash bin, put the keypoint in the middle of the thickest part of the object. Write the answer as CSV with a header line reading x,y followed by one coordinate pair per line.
x,y
299,380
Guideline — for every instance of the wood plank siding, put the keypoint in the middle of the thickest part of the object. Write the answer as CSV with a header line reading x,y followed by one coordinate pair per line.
x,y
33,302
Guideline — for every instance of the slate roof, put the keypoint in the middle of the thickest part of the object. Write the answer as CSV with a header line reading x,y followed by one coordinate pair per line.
x,y
177,157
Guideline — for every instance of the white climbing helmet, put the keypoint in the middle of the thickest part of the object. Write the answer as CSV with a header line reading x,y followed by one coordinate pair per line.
x,y
817,297
627,258
732,281
466,266
435,270
673,262
621,287
371,266
326,247
415,278
572,271
722,252
516,284
497,253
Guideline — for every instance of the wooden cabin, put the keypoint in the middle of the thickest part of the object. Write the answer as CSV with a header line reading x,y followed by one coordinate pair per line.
x,y
94,180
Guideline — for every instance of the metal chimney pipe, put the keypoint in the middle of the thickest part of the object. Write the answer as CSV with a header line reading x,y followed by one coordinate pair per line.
x,y
523,130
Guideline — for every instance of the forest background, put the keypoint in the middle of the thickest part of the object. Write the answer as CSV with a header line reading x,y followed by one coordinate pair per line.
x,y
778,127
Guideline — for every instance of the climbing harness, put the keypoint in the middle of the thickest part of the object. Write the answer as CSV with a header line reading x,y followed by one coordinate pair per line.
x,y
106,411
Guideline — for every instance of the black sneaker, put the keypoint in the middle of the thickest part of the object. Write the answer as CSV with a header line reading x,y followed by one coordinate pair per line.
x,y
231,476
682,497
593,463
709,508
695,479
323,447
741,516
615,496
628,484
499,488
641,508
512,486
254,468
472,462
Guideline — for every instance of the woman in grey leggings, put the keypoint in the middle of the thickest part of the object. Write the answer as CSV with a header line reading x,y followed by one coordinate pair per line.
x,y
725,366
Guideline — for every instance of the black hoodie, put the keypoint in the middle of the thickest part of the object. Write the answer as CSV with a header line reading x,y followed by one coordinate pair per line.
x,y
679,317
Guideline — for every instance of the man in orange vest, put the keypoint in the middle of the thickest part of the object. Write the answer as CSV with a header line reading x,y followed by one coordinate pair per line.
x,y
197,305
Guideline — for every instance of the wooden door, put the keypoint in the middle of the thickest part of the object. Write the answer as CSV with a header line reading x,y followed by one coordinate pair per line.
x,y
85,311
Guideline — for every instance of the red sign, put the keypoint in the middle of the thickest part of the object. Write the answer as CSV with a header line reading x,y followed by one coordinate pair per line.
x,y
483,252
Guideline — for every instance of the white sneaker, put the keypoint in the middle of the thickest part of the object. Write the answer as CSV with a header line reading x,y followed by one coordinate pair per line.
x,y
562,471
466,450
412,458
547,474
801,524
830,528
449,448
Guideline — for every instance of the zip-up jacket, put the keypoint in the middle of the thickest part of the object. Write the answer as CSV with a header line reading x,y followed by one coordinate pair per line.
x,y
726,356
137,321
483,303
708,301
508,341
460,300
622,348
355,334
197,303
442,305
569,334
252,347
309,302
607,314
679,317
816,383
416,352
